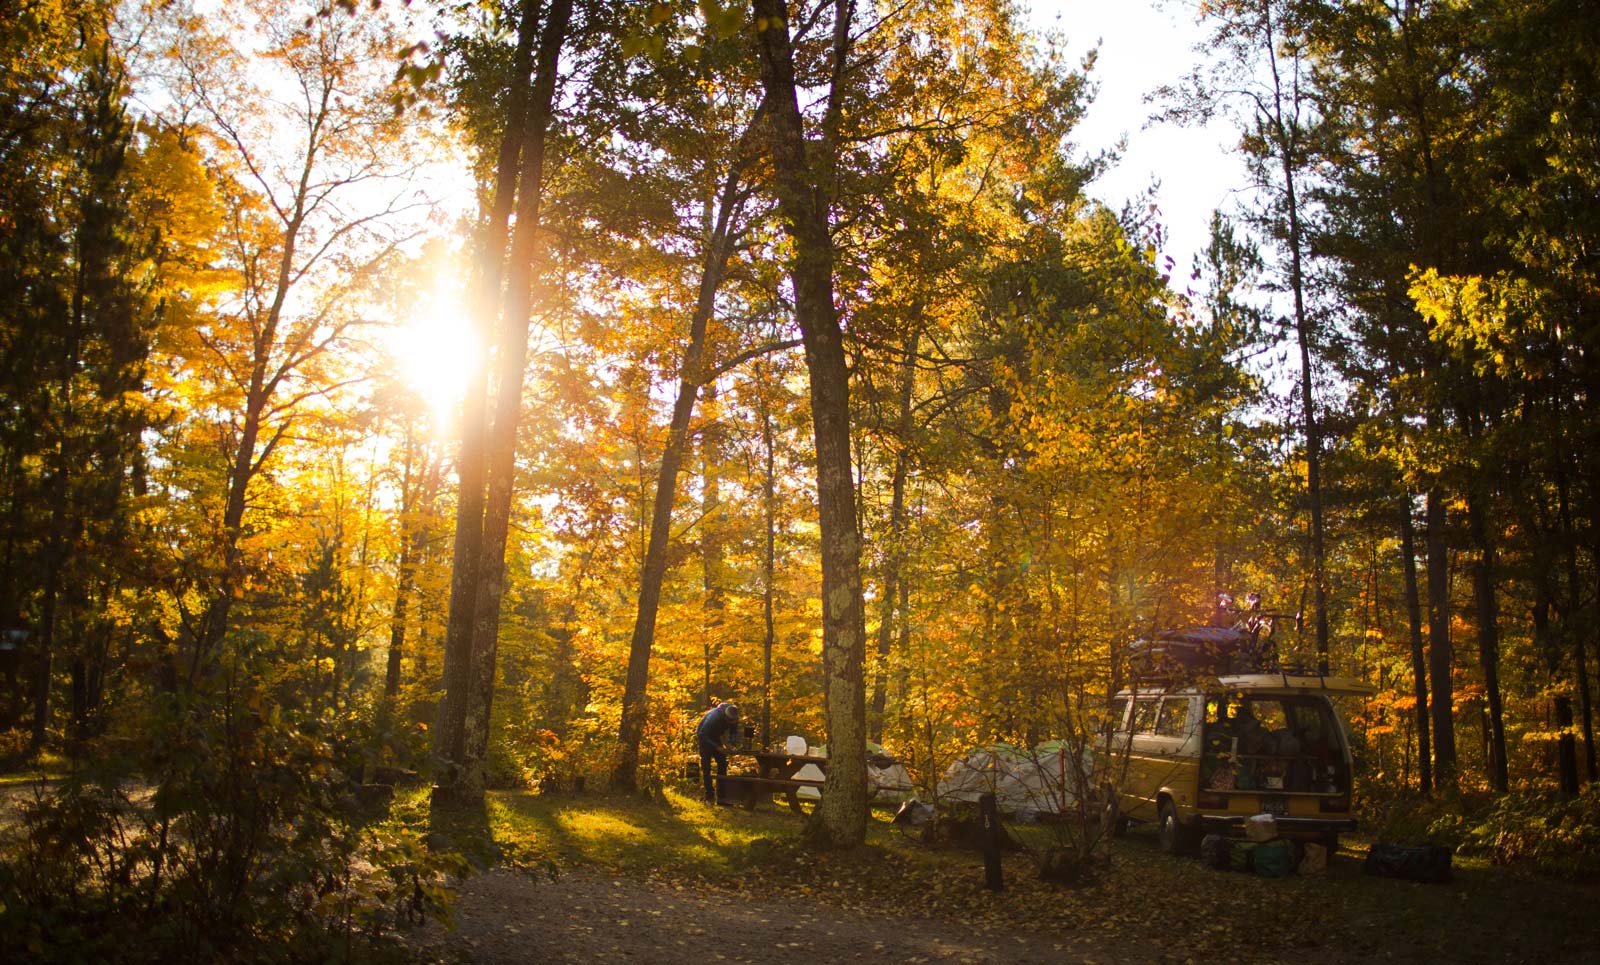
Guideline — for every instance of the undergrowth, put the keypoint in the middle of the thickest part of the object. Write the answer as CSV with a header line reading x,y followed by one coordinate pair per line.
x,y
236,836
1538,829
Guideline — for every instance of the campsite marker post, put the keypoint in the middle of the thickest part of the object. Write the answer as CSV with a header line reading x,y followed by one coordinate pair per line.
x,y
989,832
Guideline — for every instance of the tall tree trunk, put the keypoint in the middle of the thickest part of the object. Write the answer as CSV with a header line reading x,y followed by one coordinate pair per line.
x,y
1570,621
416,499
1547,638
1285,122
712,603
1313,429
49,618
894,558
802,185
501,452
1580,659
449,732
1439,658
1489,639
404,577
769,506
691,375
1419,667
1566,749
43,670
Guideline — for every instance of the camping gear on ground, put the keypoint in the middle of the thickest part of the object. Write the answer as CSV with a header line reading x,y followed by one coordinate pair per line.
x,y
1044,780
888,782
1214,850
1429,863
1261,827
914,814
1314,861
1242,855
1274,859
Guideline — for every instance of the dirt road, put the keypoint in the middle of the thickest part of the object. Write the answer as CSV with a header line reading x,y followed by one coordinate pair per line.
x,y
505,917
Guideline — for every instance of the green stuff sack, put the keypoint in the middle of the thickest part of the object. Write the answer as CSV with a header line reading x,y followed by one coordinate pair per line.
x,y
1241,855
1274,859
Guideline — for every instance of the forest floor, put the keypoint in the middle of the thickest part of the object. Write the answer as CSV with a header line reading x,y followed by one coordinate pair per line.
x,y
582,878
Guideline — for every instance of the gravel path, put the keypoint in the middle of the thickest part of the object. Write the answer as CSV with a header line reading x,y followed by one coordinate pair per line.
x,y
505,917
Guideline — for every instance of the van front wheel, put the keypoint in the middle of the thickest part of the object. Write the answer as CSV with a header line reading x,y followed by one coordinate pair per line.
x,y
1174,837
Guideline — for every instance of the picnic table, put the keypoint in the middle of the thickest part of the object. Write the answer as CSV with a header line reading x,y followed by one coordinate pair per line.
x,y
775,771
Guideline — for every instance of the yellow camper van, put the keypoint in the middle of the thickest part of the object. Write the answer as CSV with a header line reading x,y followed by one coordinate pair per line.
x,y
1203,758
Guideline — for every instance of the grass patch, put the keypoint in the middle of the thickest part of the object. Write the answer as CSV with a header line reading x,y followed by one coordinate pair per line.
x,y
677,835
43,766
24,778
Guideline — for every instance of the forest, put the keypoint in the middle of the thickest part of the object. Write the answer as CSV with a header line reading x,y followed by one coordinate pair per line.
x,y
405,404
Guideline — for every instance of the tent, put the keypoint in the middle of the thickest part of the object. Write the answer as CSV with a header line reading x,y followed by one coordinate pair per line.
x,y
1050,781
887,778
1042,780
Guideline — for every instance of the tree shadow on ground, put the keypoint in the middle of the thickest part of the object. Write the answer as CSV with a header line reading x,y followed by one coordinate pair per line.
x,y
463,827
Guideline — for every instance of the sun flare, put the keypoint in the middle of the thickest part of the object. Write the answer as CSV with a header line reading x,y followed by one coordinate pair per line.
x,y
435,351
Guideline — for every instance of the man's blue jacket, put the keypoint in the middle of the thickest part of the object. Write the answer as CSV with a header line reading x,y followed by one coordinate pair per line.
x,y
714,725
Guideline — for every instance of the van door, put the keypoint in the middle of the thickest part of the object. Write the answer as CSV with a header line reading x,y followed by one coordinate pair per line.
x,y
1136,715
1160,731
1172,758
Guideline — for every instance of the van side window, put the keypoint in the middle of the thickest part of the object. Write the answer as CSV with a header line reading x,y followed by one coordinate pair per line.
x,y
1174,717
1144,716
1118,714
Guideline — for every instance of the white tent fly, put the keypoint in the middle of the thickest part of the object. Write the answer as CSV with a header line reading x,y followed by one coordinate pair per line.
x,y
887,778
1043,780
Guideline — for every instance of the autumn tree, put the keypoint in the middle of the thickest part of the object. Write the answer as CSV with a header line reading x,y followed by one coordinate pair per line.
x,y
311,164
99,211
714,175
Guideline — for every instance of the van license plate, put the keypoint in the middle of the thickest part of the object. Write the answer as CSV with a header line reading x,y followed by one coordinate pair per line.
x,y
1275,806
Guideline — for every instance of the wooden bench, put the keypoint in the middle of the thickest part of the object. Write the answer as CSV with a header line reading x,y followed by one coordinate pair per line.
x,y
748,789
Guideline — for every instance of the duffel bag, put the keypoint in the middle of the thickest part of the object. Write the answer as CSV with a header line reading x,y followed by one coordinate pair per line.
x,y
1274,859
1429,863
1241,855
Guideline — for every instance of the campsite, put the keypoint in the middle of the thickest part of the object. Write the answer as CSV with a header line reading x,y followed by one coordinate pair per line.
x,y
791,480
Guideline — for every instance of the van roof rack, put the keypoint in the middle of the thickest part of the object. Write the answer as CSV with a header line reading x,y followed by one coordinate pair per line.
x,y
1239,640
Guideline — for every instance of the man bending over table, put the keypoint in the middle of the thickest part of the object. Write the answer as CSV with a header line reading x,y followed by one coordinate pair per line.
x,y
718,730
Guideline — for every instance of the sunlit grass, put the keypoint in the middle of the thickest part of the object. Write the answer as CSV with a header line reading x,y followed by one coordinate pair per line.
x,y
630,835
43,766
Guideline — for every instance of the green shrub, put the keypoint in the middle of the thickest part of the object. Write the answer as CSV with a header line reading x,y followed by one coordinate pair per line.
x,y
1553,833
